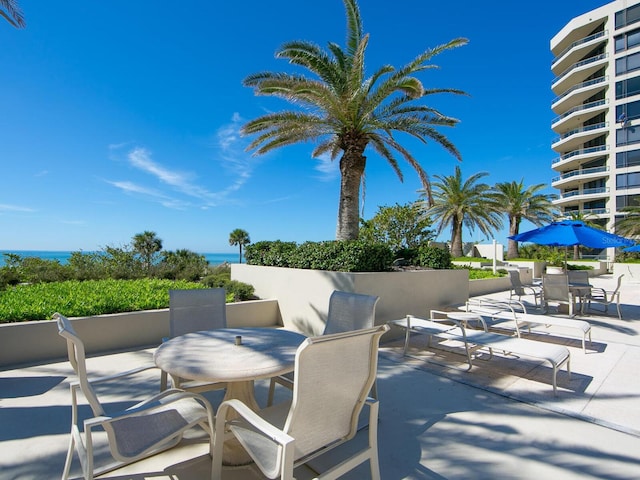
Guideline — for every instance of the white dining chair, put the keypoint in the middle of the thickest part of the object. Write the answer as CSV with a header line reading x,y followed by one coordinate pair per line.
x,y
334,374
347,311
139,431
190,311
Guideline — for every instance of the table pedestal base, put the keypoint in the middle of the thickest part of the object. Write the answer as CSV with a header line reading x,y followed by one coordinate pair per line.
x,y
233,452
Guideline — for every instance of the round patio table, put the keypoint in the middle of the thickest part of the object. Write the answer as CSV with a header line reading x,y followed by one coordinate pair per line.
x,y
237,356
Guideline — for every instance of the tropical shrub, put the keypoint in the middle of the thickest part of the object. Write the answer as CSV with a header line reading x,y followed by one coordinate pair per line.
x,y
92,297
434,257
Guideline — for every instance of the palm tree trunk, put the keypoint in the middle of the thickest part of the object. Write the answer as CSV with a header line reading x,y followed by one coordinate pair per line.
x,y
352,166
456,238
514,227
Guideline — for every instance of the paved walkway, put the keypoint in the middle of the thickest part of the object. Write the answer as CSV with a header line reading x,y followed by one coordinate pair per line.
x,y
437,421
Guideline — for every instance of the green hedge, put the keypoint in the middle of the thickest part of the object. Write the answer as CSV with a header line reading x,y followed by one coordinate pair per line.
x,y
343,256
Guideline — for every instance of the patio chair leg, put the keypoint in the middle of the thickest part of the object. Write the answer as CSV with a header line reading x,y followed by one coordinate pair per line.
x,y
67,463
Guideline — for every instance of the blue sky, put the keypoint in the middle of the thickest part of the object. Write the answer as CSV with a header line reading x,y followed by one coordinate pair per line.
x,y
119,117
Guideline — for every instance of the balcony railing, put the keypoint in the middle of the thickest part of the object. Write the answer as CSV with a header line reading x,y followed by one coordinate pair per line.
x,y
579,42
586,128
594,211
586,191
579,108
581,63
584,171
582,151
588,83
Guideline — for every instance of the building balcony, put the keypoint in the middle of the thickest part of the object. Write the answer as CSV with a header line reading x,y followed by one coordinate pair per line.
x,y
577,137
584,194
578,73
577,50
572,160
577,94
577,177
574,117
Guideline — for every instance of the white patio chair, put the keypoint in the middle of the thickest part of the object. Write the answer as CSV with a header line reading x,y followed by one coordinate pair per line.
x,y
520,289
606,298
191,311
142,430
347,311
555,289
334,374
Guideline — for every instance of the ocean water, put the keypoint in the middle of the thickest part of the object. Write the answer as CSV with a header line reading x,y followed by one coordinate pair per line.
x,y
63,256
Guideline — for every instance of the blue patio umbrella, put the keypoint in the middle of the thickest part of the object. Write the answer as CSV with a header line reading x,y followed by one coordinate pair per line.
x,y
567,233
634,248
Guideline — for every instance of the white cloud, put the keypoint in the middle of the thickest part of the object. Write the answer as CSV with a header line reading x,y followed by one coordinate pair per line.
x,y
14,208
328,169
230,147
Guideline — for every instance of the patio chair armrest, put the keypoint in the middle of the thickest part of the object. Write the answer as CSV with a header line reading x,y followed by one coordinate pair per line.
x,y
252,418
116,376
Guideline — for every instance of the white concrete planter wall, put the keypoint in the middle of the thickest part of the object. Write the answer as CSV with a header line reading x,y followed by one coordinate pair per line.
x,y
30,342
489,285
536,268
303,295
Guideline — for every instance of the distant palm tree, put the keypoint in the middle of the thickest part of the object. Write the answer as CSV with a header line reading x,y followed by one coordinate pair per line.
x,y
10,10
459,203
520,203
147,244
345,111
239,237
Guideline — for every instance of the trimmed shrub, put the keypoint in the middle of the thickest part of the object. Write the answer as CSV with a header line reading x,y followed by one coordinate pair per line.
x,y
342,256
434,257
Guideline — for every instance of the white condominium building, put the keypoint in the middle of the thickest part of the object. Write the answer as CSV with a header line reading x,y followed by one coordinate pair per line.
x,y
597,106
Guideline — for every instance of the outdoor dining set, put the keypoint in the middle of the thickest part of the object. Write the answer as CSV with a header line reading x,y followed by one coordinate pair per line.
x,y
332,378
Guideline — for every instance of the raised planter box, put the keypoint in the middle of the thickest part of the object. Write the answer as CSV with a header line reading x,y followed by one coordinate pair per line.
x,y
32,342
303,295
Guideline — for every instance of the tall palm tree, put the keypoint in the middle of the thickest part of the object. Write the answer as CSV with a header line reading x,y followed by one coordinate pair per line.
x,y
520,203
459,203
241,238
147,244
10,10
344,112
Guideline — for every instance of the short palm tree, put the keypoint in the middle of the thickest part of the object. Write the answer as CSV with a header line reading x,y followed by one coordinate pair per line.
x,y
344,112
147,244
241,238
459,203
520,203
10,10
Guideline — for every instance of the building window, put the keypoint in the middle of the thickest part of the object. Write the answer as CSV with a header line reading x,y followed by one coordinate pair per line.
x,y
628,63
627,40
628,180
628,111
627,16
628,159
627,88
627,201
627,136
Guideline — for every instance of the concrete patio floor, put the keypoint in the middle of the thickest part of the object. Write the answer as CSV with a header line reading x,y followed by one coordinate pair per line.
x,y
437,421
